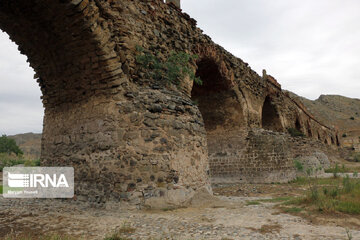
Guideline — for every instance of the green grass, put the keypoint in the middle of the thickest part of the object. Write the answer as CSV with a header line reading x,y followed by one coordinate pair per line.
x,y
32,163
293,210
299,181
350,207
303,181
276,200
329,195
269,200
250,203
7,160
121,233
295,132
357,157
1,189
298,165
338,169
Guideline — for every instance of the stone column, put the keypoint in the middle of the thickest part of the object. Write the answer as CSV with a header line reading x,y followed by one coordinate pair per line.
x,y
175,2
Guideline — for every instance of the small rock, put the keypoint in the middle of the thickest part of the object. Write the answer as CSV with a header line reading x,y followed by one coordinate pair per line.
x,y
156,108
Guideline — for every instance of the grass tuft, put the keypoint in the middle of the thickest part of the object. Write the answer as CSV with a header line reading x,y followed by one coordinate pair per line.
x,y
276,200
330,195
293,210
122,233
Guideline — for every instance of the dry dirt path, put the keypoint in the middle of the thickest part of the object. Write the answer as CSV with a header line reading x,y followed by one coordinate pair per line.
x,y
228,218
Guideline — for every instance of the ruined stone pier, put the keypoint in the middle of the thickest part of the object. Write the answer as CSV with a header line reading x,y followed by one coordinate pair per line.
x,y
129,137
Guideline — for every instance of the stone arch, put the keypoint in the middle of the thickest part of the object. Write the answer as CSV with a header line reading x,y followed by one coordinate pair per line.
x,y
270,118
78,71
332,140
298,125
222,113
310,134
337,141
217,101
58,48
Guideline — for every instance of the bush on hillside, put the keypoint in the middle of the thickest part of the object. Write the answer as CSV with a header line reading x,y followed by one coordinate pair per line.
x,y
295,133
9,146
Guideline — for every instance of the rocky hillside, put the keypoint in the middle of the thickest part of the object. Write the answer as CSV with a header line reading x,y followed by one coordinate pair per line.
x,y
29,143
335,110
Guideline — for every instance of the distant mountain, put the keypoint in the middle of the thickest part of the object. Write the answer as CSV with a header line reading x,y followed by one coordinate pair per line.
x,y
29,143
335,110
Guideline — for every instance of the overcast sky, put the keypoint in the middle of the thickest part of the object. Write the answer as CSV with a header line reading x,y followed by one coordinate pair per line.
x,y
311,47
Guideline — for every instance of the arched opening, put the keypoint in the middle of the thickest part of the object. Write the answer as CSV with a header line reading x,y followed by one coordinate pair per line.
x,y
326,141
222,114
298,125
310,134
217,102
319,137
337,141
332,140
270,116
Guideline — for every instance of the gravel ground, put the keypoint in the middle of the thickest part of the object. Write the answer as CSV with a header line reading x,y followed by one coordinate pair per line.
x,y
227,218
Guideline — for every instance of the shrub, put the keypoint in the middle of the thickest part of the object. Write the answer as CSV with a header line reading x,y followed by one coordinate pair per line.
x,y
295,133
8,145
309,171
344,135
348,234
355,174
7,160
335,174
334,192
350,207
298,165
348,185
314,193
352,118
325,191
121,233
32,163
357,157
336,195
176,67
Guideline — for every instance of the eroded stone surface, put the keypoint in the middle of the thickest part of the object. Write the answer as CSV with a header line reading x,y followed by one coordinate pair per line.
x,y
130,137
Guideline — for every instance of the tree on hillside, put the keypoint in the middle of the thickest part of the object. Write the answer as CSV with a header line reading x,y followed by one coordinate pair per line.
x,y
8,145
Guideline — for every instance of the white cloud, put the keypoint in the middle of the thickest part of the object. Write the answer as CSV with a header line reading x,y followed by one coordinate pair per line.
x,y
311,47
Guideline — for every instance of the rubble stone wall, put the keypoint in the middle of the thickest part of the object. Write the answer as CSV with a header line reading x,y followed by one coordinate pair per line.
x,y
257,156
129,136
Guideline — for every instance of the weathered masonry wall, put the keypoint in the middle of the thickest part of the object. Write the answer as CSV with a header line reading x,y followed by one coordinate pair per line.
x,y
130,137
262,156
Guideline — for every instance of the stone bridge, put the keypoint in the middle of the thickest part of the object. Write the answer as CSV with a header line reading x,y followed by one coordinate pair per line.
x,y
129,137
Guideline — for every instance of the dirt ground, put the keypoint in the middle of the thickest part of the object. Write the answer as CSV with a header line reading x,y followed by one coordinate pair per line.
x,y
228,217
239,211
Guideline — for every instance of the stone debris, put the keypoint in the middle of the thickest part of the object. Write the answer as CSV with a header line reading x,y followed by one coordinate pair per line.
x,y
227,218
